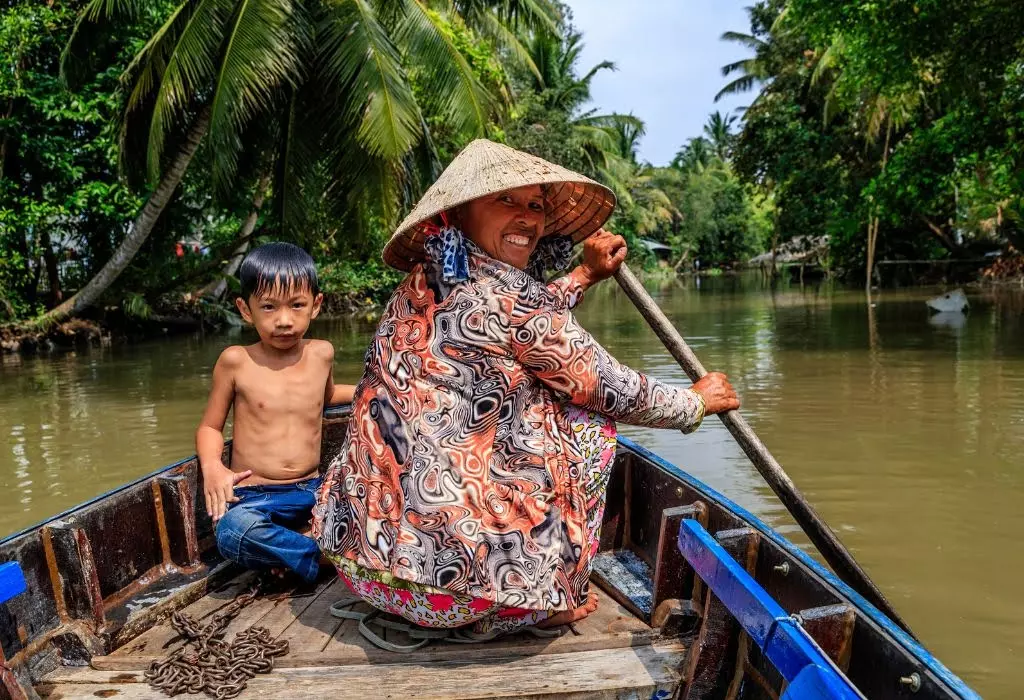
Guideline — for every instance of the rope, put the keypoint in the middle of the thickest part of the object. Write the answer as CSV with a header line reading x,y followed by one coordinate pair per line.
x,y
206,663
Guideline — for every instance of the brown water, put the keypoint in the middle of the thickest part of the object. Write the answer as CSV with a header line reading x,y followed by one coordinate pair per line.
x,y
905,431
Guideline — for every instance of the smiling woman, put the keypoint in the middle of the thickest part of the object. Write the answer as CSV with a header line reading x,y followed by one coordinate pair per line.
x,y
506,225
471,488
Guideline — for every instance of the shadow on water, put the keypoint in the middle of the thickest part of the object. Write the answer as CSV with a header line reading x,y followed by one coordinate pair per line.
x,y
902,427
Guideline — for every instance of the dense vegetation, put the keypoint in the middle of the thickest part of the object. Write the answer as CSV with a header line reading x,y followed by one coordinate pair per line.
x,y
894,127
145,146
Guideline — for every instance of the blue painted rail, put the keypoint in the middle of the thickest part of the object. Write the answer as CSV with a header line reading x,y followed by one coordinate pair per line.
x,y
12,581
810,673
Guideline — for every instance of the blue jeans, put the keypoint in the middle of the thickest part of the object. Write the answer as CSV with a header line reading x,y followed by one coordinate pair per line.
x,y
259,531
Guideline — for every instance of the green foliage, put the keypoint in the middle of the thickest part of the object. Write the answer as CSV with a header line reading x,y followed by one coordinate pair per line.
x,y
904,113
364,280
60,197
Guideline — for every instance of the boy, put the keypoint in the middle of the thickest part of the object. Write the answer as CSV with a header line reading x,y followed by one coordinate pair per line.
x,y
278,388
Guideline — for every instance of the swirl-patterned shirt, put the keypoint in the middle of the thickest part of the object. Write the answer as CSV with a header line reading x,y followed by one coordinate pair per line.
x,y
460,470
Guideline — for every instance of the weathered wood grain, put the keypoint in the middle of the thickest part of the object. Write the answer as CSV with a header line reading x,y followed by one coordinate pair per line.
x,y
602,674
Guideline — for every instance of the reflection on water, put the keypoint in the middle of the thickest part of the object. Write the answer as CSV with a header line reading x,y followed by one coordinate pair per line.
x,y
903,428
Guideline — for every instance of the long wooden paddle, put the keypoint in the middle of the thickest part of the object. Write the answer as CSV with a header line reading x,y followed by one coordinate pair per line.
x,y
837,556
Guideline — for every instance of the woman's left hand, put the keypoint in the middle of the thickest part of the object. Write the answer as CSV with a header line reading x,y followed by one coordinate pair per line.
x,y
603,254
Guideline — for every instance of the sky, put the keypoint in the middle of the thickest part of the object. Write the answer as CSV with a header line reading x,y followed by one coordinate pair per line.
x,y
669,58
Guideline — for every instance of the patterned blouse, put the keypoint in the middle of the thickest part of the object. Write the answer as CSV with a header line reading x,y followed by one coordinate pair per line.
x,y
459,470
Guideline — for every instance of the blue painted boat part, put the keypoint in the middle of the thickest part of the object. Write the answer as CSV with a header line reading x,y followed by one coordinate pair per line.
x,y
863,606
12,581
814,682
779,636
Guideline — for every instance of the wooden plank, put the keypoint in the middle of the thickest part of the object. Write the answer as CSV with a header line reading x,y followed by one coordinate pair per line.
x,y
73,570
159,639
626,577
177,496
602,674
281,613
278,619
356,651
709,664
314,627
673,577
610,627
831,626
251,614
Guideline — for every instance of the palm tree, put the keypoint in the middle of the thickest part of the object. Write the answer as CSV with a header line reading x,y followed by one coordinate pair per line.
x,y
718,132
695,156
318,89
752,71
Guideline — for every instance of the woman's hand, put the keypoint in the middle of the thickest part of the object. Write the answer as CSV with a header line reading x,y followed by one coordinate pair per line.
x,y
603,253
718,394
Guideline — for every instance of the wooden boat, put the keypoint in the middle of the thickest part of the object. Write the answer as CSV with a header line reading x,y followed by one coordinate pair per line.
x,y
701,600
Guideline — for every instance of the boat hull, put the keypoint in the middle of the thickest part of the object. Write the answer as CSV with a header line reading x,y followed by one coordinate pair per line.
x,y
101,574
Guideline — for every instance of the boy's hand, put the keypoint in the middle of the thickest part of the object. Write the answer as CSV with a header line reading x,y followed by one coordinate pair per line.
x,y
219,489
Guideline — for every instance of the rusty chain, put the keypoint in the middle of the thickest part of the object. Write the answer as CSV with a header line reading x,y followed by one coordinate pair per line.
x,y
206,663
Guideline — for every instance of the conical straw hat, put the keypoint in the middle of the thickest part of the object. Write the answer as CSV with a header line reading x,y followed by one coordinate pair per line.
x,y
576,205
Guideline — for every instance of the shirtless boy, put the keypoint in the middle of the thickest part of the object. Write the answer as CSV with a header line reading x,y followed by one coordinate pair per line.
x,y
278,388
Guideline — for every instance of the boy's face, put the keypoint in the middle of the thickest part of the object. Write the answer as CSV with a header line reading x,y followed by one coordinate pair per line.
x,y
281,315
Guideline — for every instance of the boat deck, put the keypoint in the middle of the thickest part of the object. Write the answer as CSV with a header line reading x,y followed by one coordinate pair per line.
x,y
610,654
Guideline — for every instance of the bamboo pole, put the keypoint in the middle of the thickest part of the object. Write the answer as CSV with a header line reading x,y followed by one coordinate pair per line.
x,y
837,556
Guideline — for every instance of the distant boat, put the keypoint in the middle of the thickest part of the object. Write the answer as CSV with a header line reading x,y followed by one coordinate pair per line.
x,y
950,302
701,599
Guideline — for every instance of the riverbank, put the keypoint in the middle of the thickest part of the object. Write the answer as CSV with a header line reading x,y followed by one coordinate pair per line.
x,y
366,291
114,326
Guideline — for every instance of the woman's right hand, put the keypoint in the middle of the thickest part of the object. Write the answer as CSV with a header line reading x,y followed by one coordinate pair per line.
x,y
718,394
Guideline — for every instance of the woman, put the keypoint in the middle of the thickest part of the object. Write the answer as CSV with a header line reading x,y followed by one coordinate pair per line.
x,y
471,488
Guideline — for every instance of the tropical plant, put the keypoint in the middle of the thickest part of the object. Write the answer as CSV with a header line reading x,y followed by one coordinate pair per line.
x,y
316,91
718,131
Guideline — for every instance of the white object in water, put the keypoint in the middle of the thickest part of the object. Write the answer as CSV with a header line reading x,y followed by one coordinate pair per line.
x,y
951,301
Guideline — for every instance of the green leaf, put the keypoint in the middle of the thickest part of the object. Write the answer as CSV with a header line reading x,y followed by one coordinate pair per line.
x,y
262,54
360,63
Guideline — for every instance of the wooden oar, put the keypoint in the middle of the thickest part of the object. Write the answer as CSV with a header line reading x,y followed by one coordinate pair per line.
x,y
837,556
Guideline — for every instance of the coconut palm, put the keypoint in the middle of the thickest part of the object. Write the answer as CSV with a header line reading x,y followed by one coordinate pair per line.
x,y
319,91
718,132
751,71
695,156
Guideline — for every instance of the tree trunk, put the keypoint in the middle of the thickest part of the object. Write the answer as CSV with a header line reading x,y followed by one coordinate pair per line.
x,y
874,223
141,228
218,288
684,258
50,261
943,237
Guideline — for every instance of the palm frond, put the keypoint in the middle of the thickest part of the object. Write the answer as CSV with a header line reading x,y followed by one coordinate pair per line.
x,y
190,71
296,163
264,41
451,81
143,74
599,137
749,66
614,121
828,60
531,15
491,27
96,18
744,84
748,40
359,60
603,65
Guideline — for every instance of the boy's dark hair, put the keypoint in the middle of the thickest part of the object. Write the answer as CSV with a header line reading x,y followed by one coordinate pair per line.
x,y
277,265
